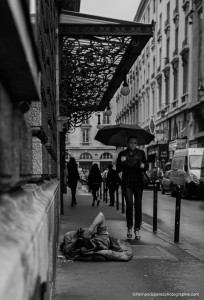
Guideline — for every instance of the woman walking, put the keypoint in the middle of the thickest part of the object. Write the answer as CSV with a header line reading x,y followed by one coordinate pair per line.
x,y
73,177
94,182
132,162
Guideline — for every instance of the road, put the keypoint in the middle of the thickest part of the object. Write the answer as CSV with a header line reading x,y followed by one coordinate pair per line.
x,y
191,219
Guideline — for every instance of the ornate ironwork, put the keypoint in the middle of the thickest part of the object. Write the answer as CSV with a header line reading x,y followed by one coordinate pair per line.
x,y
87,66
95,58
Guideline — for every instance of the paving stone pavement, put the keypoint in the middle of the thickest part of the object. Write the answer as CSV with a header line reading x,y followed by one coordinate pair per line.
x,y
159,268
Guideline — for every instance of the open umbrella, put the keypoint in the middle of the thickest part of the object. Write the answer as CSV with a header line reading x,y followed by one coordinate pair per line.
x,y
117,135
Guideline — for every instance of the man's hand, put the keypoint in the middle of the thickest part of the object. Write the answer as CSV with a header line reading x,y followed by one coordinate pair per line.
x,y
142,166
87,234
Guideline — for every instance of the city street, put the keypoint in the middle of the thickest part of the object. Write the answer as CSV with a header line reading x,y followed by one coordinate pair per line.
x,y
191,220
94,95
158,269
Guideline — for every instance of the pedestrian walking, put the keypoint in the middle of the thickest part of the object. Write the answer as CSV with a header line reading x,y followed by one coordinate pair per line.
x,y
112,182
94,182
72,178
132,162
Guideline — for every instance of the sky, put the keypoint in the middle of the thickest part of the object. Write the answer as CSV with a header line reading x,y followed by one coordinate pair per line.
x,y
115,9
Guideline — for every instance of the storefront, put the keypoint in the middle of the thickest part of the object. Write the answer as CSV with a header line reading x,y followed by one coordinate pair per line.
x,y
158,154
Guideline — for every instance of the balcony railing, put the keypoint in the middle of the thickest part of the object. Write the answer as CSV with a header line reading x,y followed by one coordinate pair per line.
x,y
184,98
175,13
175,104
166,60
185,4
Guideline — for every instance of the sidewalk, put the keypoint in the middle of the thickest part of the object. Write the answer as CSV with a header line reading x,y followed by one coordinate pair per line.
x,y
159,268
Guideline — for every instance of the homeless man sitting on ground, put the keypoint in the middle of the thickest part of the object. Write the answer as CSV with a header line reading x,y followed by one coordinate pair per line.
x,y
95,243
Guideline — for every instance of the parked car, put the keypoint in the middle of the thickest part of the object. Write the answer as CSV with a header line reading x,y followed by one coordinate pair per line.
x,y
188,164
167,184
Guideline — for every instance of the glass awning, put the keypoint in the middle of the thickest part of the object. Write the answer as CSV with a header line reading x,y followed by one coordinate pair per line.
x,y
96,55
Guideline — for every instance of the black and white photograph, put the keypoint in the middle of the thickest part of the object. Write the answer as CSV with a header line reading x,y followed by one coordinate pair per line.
x,y
101,149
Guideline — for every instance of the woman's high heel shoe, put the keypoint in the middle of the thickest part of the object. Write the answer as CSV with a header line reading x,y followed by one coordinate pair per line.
x,y
137,235
129,233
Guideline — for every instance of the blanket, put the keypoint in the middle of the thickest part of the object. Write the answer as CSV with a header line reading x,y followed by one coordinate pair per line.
x,y
75,247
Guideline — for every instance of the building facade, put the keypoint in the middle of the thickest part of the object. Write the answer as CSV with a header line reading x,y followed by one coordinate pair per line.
x,y
32,134
166,82
29,148
86,150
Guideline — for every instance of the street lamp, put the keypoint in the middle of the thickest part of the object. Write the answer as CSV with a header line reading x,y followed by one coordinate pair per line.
x,y
125,89
108,112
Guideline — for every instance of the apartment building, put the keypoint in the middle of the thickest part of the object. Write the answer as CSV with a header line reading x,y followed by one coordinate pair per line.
x,y
166,82
81,143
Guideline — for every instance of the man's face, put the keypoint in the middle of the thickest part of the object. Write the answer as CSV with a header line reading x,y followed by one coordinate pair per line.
x,y
132,143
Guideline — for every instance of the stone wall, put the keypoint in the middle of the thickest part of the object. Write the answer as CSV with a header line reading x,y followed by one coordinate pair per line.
x,y
29,205
29,220
15,144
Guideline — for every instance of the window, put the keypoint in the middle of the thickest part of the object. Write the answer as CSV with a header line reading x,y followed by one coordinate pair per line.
x,y
106,155
144,77
178,163
167,46
153,101
175,83
160,55
186,28
160,21
200,60
176,39
86,122
106,119
148,106
167,88
154,64
195,162
85,136
85,156
185,74
148,14
148,68
168,12
154,6
160,94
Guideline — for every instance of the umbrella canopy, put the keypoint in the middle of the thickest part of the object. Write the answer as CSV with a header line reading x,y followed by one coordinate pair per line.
x,y
117,135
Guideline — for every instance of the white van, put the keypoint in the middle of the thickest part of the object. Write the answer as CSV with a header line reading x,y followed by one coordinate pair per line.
x,y
190,163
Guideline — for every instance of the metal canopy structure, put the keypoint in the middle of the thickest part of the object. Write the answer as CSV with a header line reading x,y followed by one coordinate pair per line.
x,y
96,55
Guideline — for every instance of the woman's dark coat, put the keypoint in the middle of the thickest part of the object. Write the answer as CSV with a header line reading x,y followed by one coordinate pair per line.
x,y
132,173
